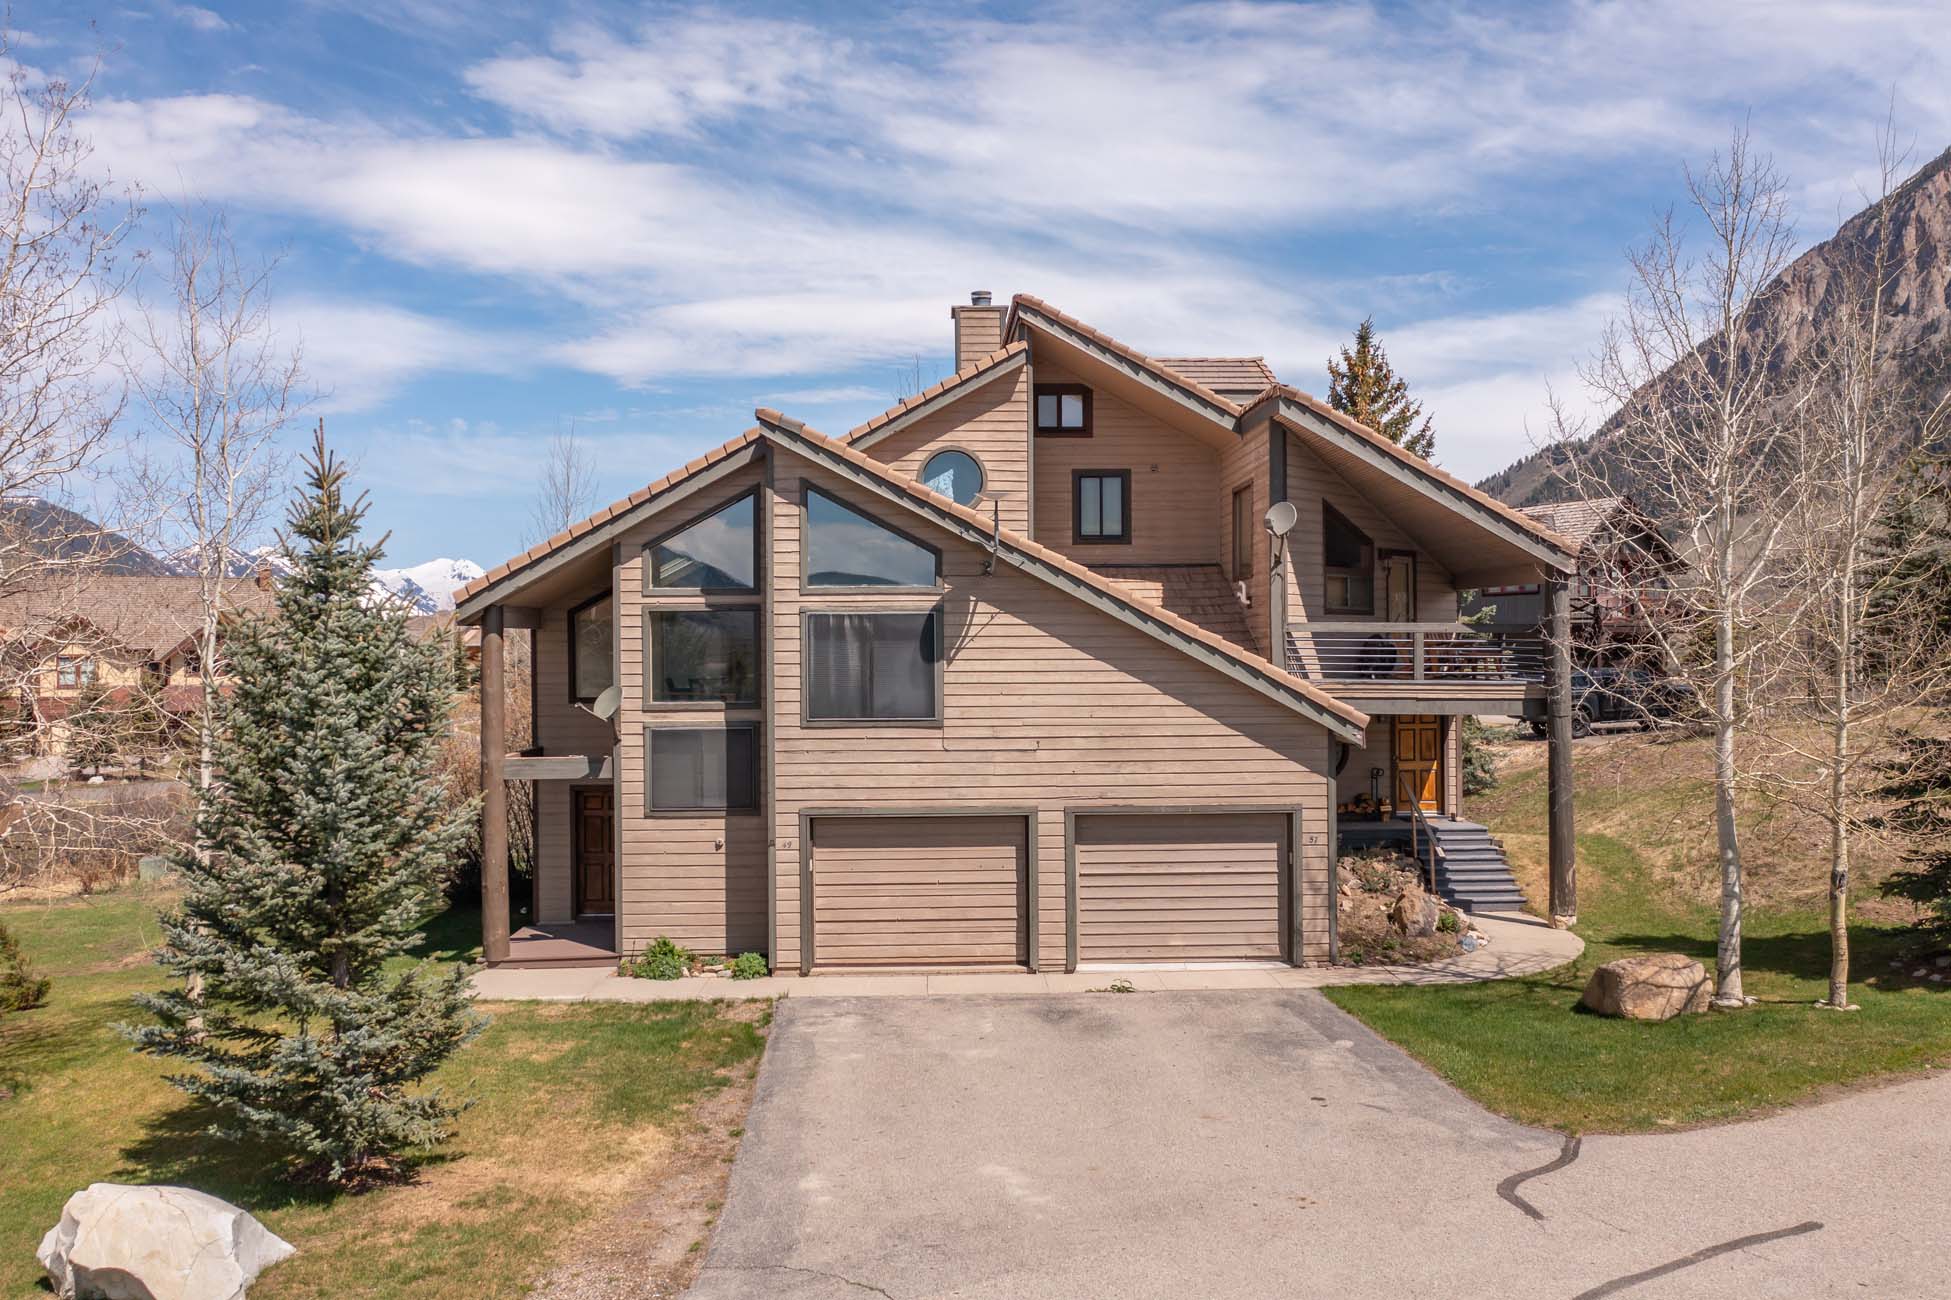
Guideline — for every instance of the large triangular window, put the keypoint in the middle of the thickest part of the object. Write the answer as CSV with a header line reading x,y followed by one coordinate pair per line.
x,y
719,552
845,548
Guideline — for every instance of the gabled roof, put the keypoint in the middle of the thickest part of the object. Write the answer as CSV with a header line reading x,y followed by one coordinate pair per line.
x,y
1305,411
146,614
1234,377
1576,521
934,398
616,515
1066,574
1188,392
1305,698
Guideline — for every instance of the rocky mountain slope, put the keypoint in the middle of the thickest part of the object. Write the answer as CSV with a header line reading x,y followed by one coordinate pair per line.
x,y
1806,296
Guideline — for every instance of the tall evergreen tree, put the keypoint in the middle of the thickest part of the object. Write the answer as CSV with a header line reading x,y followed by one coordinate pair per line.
x,y
322,842
1365,386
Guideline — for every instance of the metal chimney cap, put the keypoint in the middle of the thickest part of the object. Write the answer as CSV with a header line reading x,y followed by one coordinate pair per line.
x,y
979,298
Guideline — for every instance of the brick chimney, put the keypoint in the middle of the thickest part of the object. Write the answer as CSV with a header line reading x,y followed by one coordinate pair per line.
x,y
978,328
263,579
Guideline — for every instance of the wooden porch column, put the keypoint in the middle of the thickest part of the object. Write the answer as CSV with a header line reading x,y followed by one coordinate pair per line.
x,y
1558,687
494,790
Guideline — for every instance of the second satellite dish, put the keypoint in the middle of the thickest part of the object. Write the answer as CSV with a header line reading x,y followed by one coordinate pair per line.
x,y
1282,517
605,704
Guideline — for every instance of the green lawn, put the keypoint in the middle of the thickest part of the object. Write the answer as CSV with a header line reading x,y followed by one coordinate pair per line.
x,y
1521,1048
574,1108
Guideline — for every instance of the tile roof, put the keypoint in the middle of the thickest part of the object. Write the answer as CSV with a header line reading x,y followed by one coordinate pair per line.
x,y
1043,554
1233,377
1199,592
1348,424
151,615
976,369
1125,350
1576,521
541,550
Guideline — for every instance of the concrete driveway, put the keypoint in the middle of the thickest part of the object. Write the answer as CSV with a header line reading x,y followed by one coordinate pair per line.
x,y
1262,1143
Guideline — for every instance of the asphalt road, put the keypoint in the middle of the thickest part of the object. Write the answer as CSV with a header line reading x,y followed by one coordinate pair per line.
x,y
1262,1143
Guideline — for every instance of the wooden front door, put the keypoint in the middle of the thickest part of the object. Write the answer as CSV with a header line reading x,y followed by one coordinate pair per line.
x,y
1418,762
595,814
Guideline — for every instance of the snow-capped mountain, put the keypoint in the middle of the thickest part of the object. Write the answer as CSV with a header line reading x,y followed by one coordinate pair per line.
x,y
424,588
428,587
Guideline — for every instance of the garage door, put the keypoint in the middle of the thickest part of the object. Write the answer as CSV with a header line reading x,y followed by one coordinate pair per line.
x,y
1200,887
918,891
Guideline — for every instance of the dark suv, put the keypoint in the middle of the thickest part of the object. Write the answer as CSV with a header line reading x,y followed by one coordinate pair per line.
x,y
1617,697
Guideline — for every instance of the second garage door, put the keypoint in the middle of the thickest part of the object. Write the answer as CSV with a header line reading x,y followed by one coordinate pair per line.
x,y
1199,887
918,891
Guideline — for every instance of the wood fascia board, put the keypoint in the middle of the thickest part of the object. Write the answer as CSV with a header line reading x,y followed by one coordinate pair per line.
x,y
557,767
1124,365
1308,424
944,398
1341,727
596,538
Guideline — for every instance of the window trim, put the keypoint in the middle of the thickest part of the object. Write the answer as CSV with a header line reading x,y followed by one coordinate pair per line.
x,y
652,704
938,610
85,672
1077,535
1039,429
1327,509
1242,521
807,588
943,450
757,806
758,569
569,630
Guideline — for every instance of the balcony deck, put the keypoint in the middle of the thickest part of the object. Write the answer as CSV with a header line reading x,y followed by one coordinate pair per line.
x,y
1424,667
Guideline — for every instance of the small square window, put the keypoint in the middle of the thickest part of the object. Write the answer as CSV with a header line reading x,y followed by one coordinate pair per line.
x,y
705,655
702,768
872,667
1063,410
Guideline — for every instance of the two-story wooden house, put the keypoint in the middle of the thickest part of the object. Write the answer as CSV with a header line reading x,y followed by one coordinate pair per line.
x,y
1076,657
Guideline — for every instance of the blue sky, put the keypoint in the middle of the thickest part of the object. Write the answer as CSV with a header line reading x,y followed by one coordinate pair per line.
x,y
499,219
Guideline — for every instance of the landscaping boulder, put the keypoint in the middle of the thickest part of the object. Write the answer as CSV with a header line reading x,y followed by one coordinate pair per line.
x,y
1658,986
117,1242
1414,914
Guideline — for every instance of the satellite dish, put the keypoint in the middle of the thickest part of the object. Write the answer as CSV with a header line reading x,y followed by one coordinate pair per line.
x,y
606,703
1281,518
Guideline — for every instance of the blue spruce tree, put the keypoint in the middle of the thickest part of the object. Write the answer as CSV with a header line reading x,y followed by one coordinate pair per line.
x,y
324,840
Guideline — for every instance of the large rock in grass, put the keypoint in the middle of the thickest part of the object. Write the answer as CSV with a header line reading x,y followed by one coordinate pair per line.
x,y
117,1242
1657,986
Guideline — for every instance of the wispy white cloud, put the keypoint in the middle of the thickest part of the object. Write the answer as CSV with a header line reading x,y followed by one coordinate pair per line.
x,y
196,16
361,352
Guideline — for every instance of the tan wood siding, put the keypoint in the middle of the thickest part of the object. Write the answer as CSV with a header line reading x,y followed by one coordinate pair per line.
x,y
560,728
990,424
1245,465
1309,482
918,891
699,878
1197,887
1047,703
1174,478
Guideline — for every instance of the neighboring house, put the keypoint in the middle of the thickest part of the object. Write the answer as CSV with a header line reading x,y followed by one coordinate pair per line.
x,y
1623,564
1012,675
113,641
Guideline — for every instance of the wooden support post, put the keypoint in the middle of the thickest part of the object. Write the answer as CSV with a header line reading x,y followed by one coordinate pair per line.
x,y
1558,686
494,790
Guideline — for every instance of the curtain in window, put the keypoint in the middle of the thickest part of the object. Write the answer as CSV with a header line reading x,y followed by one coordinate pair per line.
x,y
702,768
871,666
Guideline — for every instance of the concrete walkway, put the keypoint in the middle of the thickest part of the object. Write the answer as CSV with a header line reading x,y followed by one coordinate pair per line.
x,y
1519,945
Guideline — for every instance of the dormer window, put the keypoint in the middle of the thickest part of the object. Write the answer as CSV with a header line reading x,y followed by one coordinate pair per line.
x,y
1348,557
1063,411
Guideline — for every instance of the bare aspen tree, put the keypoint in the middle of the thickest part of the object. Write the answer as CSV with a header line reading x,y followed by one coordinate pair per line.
x,y
217,389
61,232
1699,438
1867,651
566,491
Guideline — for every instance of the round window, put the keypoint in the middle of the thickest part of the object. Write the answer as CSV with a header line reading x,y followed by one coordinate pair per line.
x,y
954,474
